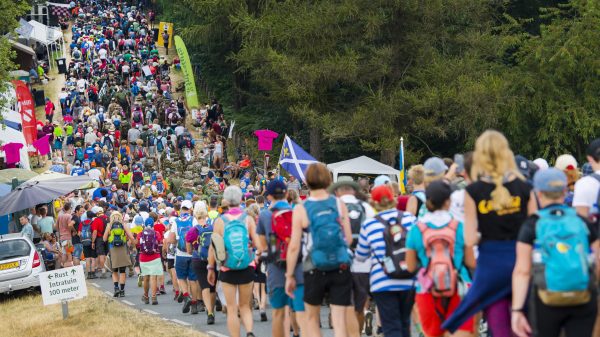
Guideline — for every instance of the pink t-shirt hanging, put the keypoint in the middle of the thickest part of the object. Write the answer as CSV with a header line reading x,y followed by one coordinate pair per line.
x,y
43,145
11,151
265,139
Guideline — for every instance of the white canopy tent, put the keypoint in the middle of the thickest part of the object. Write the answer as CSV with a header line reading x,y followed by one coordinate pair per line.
x,y
52,38
362,165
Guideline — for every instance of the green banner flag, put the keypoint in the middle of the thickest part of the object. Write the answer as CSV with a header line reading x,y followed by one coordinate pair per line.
x,y
188,75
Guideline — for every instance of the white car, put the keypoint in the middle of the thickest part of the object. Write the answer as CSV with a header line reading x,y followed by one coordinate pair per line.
x,y
20,263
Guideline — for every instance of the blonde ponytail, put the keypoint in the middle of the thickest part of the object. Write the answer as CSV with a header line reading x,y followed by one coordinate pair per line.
x,y
493,157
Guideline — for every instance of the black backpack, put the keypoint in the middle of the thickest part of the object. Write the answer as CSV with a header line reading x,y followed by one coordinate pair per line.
x,y
357,215
394,236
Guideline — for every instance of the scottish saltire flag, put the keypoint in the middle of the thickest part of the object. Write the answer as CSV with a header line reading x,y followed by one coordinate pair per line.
x,y
402,179
294,159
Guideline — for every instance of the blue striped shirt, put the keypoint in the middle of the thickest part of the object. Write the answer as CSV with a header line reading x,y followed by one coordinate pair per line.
x,y
371,242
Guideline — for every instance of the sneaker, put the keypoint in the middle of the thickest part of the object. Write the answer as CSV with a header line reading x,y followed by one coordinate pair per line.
x,y
368,323
131,273
169,282
187,303
195,308
140,281
122,293
201,306
145,299
162,290
180,298
250,334
210,320
154,301
117,292
218,306
255,304
263,316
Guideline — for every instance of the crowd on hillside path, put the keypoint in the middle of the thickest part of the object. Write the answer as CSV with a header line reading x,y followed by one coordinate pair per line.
x,y
486,237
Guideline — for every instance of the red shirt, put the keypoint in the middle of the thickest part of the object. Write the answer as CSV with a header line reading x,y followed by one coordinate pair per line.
x,y
160,229
99,225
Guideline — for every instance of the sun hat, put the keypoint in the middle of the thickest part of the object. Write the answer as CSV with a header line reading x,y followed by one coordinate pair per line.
x,y
381,180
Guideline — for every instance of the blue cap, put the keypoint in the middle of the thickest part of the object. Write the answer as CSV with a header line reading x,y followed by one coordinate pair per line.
x,y
434,166
381,180
276,186
550,180
149,222
138,220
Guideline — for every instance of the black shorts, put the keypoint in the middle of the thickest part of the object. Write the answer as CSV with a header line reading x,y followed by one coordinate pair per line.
x,y
360,290
337,283
237,277
170,264
259,276
201,272
88,252
100,247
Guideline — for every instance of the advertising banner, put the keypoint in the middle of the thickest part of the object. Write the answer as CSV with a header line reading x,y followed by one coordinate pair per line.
x,y
161,28
191,95
26,107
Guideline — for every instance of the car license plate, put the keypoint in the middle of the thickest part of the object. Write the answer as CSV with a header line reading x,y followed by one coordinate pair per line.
x,y
11,265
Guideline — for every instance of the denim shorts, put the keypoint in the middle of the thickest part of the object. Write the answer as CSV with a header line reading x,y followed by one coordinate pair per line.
x,y
78,250
183,268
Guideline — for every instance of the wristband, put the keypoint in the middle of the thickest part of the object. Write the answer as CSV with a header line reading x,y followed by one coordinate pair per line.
x,y
290,276
210,267
516,310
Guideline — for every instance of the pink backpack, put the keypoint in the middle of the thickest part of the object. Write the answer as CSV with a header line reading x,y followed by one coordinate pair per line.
x,y
439,247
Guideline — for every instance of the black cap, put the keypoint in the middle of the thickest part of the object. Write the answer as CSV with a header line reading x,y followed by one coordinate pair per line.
x,y
438,192
275,187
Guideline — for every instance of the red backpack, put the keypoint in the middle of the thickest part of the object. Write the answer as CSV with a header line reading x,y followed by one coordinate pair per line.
x,y
439,247
281,231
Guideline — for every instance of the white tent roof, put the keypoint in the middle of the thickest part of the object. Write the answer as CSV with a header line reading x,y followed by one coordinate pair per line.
x,y
44,34
362,165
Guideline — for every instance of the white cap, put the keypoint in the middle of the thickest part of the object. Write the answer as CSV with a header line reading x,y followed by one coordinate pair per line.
x,y
566,161
541,163
186,204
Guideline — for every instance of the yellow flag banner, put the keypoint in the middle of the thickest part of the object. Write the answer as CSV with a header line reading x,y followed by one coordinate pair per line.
x,y
191,95
162,27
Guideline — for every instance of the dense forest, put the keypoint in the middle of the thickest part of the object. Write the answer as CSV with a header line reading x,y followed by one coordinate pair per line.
x,y
351,77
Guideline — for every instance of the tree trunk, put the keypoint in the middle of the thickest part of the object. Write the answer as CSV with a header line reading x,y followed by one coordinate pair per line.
x,y
315,143
388,157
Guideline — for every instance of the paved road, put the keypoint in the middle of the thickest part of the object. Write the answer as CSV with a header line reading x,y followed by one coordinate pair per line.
x,y
168,309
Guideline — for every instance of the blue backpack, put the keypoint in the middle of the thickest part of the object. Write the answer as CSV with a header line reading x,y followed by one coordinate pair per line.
x,y
237,244
79,154
204,236
329,250
86,233
183,226
561,269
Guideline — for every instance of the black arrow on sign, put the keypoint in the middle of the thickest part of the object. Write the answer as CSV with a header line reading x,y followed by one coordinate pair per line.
x,y
49,276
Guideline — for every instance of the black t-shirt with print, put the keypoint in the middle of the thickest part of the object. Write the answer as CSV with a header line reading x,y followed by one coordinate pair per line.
x,y
503,224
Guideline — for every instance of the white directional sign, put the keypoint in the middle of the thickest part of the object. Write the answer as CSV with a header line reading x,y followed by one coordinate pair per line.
x,y
63,285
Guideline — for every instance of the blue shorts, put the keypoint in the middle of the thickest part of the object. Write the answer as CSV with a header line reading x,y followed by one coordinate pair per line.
x,y
78,250
279,299
183,268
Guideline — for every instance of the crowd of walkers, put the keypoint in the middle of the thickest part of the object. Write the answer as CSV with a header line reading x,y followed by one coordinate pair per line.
x,y
485,237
